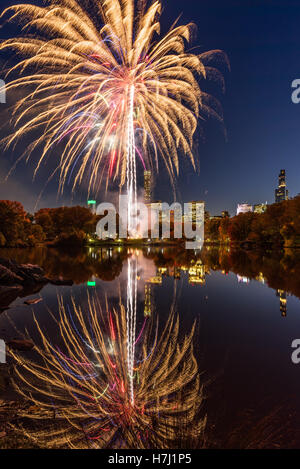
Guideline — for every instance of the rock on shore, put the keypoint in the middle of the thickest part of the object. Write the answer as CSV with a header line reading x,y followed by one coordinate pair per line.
x,y
19,280
12,273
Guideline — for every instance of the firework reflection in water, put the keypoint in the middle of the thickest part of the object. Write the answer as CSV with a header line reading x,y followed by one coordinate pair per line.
x,y
108,385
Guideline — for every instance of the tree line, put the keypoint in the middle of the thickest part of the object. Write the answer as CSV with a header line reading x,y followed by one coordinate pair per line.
x,y
278,226
58,226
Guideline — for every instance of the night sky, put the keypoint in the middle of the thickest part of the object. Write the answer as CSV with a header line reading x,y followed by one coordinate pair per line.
x,y
262,41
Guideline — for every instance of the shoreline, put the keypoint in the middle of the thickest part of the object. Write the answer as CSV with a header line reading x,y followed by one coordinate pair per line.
x,y
159,243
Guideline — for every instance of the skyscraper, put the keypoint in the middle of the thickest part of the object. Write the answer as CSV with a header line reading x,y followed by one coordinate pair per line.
x,y
195,216
92,205
147,186
281,193
260,208
244,208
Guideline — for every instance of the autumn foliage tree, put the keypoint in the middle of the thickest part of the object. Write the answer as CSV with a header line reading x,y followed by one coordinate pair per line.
x,y
278,226
17,227
67,225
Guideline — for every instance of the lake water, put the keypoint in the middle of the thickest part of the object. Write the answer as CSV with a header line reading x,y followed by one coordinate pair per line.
x,y
246,310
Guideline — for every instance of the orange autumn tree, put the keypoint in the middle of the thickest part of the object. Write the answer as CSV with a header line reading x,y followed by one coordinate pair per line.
x,y
16,226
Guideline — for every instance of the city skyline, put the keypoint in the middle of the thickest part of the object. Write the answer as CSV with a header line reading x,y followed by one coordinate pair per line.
x,y
149,198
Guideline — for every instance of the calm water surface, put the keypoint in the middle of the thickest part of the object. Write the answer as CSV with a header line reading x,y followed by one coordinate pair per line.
x,y
247,314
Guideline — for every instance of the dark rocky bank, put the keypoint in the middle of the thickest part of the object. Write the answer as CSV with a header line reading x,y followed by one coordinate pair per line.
x,y
21,280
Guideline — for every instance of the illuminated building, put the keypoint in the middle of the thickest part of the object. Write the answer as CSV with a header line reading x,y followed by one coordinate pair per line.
x,y
195,216
147,187
260,208
281,193
283,302
244,208
92,205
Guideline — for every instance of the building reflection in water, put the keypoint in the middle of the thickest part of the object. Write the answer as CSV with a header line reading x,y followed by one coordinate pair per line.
x,y
107,263
108,383
116,376
196,273
283,302
260,278
148,304
242,279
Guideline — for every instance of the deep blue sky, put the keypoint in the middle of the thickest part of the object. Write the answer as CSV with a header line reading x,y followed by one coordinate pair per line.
x,y
262,41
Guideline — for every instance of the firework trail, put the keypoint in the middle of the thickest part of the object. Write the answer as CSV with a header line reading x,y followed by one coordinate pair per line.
x,y
132,272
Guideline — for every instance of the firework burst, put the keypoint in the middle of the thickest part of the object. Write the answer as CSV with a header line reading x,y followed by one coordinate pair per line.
x,y
102,82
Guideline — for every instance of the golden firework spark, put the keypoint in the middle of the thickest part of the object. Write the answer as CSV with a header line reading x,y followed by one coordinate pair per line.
x,y
103,83
81,388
